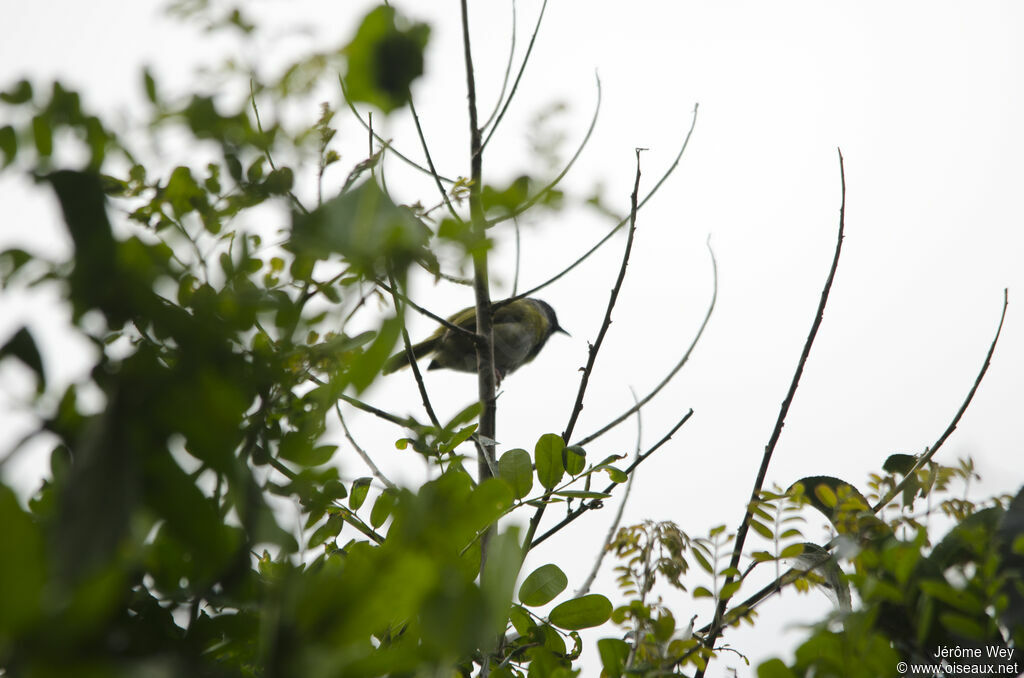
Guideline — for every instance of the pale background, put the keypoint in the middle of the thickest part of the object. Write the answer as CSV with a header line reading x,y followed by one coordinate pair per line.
x,y
924,98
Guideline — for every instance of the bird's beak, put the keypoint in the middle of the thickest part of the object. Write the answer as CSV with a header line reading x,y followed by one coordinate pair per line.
x,y
562,330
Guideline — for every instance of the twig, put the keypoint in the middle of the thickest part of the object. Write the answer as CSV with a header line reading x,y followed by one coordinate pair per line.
x,y
266,151
519,76
422,311
930,452
613,528
741,533
508,70
430,161
407,422
585,378
412,356
536,288
531,201
361,452
682,361
384,142
597,504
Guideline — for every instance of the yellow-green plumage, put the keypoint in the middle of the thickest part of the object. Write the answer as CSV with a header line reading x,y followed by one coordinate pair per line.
x,y
521,328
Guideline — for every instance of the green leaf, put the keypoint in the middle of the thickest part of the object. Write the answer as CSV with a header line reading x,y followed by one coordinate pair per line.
x,y
575,458
792,551
298,449
364,226
149,84
616,475
613,652
498,579
521,620
357,495
548,454
774,668
581,613
582,494
19,94
23,347
8,144
543,584
516,468
383,507
384,60
42,134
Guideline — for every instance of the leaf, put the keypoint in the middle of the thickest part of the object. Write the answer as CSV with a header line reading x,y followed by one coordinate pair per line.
x,y
582,494
521,620
384,60
516,468
298,449
543,584
19,94
575,458
8,144
616,475
548,454
581,613
383,507
774,668
613,652
364,226
498,579
357,495
42,134
23,347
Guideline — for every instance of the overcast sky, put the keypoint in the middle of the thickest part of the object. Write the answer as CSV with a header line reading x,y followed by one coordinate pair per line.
x,y
924,98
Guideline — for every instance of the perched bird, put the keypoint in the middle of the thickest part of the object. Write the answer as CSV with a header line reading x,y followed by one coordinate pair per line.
x,y
521,328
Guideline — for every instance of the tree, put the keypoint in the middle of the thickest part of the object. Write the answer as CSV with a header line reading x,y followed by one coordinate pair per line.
x,y
156,544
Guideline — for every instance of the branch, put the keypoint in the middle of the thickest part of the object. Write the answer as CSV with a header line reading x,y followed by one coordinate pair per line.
x,y
384,142
613,528
930,452
508,70
585,379
597,245
530,202
361,452
769,449
596,503
412,357
422,311
682,361
519,76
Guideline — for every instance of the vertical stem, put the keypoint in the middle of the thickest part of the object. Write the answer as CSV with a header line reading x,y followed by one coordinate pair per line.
x,y
486,381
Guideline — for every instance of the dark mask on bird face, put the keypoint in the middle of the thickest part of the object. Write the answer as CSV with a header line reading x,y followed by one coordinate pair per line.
x,y
521,328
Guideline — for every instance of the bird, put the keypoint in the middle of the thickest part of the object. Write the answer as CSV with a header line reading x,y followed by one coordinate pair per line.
x,y
521,328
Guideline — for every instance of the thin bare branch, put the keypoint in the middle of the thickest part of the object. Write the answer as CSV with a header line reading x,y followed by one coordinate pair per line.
x,y
363,454
741,533
930,452
384,142
266,152
519,76
586,506
592,357
508,71
614,527
682,361
413,363
530,202
536,288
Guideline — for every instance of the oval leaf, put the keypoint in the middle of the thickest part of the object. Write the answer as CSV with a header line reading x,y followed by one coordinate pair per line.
x,y
543,584
516,468
581,613
548,454
575,458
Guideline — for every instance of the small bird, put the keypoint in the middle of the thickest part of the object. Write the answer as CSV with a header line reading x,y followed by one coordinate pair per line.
x,y
521,328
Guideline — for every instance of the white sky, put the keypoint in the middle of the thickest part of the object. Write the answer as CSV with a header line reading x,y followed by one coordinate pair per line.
x,y
926,101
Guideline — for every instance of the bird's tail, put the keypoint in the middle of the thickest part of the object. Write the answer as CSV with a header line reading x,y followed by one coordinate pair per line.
x,y
401,359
